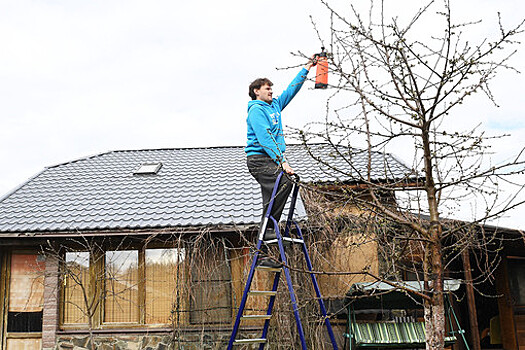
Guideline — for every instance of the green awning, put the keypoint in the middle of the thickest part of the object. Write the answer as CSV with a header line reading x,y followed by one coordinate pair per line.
x,y
390,334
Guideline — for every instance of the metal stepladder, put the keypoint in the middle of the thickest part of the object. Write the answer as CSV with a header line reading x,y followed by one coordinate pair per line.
x,y
285,237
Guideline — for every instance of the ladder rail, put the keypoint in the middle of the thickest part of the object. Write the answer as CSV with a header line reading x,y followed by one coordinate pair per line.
x,y
292,292
299,233
316,288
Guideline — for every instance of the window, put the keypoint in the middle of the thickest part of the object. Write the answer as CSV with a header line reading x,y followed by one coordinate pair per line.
x,y
76,287
121,286
148,168
516,270
210,288
142,286
164,273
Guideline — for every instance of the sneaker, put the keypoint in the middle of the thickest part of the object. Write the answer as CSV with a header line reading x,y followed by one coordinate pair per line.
x,y
269,234
269,262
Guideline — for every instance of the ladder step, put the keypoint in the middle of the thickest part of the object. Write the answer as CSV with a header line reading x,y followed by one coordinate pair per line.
x,y
263,292
286,240
249,341
257,317
268,269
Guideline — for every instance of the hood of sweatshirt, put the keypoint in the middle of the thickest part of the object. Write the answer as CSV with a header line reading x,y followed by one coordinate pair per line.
x,y
257,102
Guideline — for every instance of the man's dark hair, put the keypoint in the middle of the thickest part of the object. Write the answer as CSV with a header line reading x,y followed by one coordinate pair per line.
x,y
257,84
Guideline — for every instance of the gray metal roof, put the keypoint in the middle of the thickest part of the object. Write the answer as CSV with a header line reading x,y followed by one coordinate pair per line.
x,y
194,187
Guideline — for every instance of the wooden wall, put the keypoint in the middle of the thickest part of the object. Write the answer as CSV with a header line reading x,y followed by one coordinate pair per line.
x,y
520,330
353,254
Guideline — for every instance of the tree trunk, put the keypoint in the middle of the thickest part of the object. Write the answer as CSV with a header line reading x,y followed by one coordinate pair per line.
x,y
434,308
435,324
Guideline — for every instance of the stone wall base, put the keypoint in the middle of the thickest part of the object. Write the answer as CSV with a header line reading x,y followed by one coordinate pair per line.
x,y
186,341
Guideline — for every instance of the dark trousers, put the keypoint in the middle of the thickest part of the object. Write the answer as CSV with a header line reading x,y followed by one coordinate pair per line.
x,y
265,171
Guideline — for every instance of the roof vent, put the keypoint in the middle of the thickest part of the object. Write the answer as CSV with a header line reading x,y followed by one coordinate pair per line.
x,y
148,169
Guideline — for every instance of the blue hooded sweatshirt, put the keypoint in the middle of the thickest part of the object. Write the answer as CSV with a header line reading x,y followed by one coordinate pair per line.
x,y
265,129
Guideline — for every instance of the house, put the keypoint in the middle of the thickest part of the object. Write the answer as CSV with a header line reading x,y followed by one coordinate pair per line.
x,y
490,260
484,286
149,249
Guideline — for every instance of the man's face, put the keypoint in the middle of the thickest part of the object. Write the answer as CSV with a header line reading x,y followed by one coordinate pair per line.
x,y
264,93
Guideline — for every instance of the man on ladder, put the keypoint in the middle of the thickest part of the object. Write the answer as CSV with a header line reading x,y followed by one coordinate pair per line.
x,y
265,146
267,163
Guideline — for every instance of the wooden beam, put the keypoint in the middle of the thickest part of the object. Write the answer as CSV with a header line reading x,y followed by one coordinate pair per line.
x,y
506,311
471,302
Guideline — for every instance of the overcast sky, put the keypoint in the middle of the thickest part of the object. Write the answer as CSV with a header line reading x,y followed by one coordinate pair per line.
x,y
79,78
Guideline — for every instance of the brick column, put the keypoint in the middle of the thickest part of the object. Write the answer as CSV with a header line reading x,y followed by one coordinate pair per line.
x,y
51,297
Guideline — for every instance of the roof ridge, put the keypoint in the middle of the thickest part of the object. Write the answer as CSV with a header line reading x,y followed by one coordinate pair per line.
x,y
136,150
205,147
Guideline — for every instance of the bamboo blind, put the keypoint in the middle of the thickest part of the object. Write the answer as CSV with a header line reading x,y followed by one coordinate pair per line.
x,y
164,276
121,287
76,287
24,344
26,288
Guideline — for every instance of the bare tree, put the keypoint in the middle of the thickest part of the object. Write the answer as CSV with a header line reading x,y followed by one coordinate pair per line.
x,y
397,83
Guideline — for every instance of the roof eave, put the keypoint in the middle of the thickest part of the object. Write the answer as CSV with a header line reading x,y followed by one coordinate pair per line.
x,y
222,228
